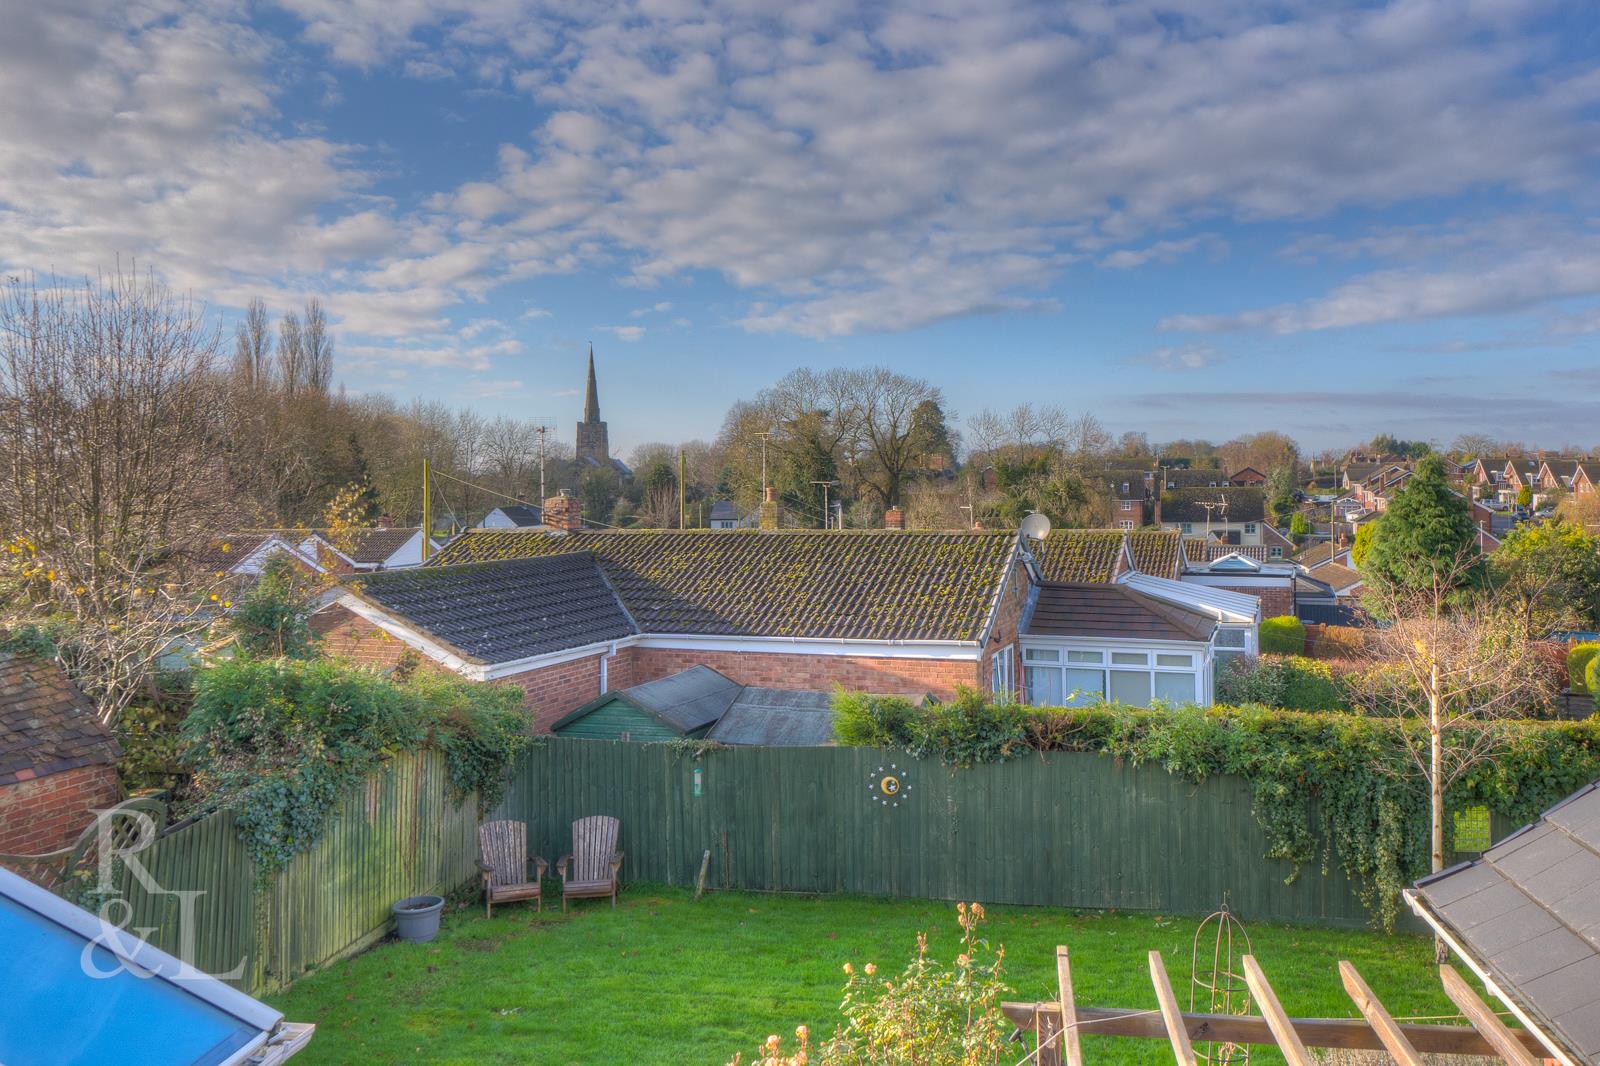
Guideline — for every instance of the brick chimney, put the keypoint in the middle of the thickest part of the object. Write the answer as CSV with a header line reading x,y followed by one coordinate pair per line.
x,y
771,516
384,521
894,518
563,512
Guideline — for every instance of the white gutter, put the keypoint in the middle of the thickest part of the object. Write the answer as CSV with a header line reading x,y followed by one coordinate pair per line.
x,y
1425,912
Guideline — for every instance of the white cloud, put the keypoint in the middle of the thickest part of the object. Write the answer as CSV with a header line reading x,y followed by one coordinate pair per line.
x,y
624,333
849,169
657,309
1181,357
535,313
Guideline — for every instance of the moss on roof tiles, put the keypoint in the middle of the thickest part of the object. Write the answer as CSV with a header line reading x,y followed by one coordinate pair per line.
x,y
1080,555
864,585
1155,551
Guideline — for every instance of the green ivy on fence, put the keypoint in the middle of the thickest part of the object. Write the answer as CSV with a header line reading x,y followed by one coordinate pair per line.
x,y
280,741
1342,779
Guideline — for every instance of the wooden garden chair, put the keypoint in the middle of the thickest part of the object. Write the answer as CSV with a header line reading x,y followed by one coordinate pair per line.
x,y
503,858
590,872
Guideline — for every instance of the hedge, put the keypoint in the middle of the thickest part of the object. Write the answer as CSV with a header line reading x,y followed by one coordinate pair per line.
x,y
1592,677
1579,656
1283,635
1342,779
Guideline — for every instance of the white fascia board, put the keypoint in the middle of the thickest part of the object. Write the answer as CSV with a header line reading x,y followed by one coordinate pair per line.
x,y
1018,552
965,650
554,658
431,648
1423,911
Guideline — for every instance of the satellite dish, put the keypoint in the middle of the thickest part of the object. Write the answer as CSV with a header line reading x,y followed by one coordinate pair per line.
x,y
1036,526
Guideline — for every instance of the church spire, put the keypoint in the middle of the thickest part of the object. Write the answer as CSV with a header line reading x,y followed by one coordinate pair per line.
x,y
591,397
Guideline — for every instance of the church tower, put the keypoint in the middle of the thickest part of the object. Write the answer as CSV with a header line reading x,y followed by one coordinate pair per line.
x,y
593,446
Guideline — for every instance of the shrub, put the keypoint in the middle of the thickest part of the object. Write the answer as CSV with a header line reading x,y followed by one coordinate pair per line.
x,y
1283,635
279,741
931,1014
1579,656
1292,682
1592,677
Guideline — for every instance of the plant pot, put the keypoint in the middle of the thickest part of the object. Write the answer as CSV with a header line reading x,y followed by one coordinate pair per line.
x,y
416,918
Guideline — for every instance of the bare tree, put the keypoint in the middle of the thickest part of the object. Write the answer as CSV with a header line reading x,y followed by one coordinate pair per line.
x,y
1025,428
317,346
888,426
1461,666
110,427
291,354
252,357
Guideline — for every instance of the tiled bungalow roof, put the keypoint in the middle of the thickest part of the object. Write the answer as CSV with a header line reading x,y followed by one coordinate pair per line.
x,y
225,552
1200,551
1156,552
842,585
46,724
498,612
1080,555
1246,503
1113,610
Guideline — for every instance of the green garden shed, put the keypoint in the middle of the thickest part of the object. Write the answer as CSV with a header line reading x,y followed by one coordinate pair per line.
x,y
700,702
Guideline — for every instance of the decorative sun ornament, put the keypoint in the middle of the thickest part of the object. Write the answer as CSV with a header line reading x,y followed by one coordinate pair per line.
x,y
887,785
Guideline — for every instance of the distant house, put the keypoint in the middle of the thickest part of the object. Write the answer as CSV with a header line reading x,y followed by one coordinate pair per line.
x,y
1586,476
1133,497
365,550
512,516
701,703
58,763
1248,476
1232,514
724,515
245,555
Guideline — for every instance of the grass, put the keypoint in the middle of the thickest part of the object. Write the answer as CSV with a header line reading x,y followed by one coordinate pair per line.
x,y
662,979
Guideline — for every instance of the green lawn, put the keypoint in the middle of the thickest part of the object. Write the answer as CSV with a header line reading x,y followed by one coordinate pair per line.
x,y
662,979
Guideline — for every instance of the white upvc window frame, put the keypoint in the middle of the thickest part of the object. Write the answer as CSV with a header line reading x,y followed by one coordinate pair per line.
x,y
1003,673
1107,657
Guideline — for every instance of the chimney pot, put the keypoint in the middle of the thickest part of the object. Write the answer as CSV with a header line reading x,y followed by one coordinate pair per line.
x,y
894,518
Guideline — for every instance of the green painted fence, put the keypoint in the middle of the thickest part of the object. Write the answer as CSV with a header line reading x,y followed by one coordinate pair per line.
x,y
1074,830
401,834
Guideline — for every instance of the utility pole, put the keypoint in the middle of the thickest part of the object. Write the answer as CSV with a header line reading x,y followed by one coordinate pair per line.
x,y
827,521
764,434
427,513
541,431
683,498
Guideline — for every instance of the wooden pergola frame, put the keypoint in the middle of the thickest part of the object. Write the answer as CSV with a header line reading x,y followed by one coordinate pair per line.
x,y
1057,1025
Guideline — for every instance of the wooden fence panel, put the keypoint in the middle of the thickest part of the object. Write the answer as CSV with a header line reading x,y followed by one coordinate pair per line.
x,y
1068,829
400,834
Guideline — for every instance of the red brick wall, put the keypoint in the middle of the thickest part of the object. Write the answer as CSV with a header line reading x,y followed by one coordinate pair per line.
x,y
49,812
1007,628
816,673
552,691
352,637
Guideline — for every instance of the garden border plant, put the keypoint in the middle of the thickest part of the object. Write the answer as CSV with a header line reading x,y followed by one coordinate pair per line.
x,y
1322,783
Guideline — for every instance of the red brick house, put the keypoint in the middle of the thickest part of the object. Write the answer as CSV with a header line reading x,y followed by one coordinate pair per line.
x,y
57,761
1248,476
569,614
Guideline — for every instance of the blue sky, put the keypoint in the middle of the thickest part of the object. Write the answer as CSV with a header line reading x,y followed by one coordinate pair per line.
x,y
1196,217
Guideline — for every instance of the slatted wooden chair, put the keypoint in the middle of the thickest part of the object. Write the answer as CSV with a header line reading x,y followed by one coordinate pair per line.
x,y
590,872
503,859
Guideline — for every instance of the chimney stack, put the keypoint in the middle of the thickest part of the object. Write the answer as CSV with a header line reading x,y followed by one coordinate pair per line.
x,y
384,521
894,518
771,516
563,512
